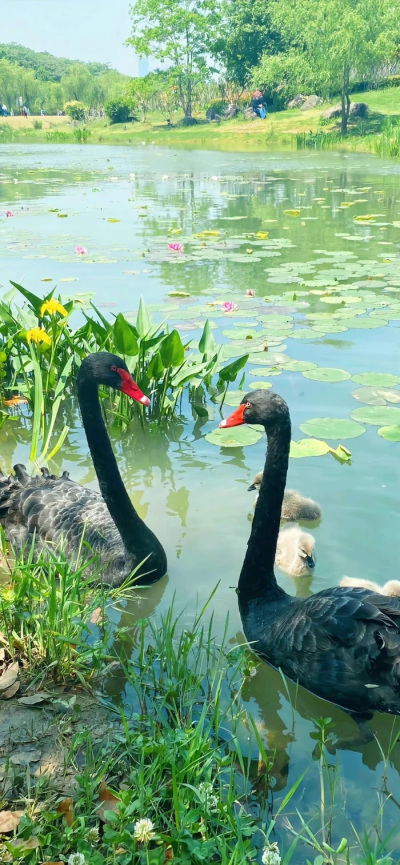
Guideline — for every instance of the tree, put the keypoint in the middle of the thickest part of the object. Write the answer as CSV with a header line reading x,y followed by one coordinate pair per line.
x,y
246,32
144,91
76,110
331,43
180,34
119,110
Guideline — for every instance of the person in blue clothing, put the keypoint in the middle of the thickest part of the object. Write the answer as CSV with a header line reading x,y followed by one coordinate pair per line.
x,y
259,105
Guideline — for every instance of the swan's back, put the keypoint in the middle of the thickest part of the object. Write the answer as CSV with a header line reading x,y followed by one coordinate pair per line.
x,y
342,644
295,506
56,511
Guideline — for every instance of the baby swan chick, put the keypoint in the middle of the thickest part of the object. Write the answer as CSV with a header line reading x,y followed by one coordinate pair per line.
x,y
391,588
295,551
295,506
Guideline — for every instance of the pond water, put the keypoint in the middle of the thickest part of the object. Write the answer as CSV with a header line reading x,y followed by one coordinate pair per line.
x,y
326,280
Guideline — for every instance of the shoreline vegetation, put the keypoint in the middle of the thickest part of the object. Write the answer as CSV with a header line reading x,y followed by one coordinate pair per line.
x,y
290,129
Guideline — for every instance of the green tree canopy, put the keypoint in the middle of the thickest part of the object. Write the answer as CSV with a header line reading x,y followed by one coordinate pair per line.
x,y
246,32
179,33
330,43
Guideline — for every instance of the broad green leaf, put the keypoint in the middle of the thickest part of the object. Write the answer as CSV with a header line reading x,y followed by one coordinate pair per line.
x,y
230,372
188,372
377,379
143,321
232,397
308,448
155,368
124,339
235,437
260,385
327,373
376,395
35,301
207,341
390,433
332,428
299,365
171,350
377,415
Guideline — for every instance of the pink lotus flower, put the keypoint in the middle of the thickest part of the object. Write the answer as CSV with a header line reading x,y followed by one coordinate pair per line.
x,y
229,306
176,247
80,250
9,213
250,292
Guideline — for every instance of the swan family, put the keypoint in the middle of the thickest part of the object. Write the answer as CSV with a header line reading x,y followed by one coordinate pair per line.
x,y
343,643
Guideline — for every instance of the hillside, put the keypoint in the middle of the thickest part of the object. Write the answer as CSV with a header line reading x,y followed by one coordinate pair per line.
x,y
46,66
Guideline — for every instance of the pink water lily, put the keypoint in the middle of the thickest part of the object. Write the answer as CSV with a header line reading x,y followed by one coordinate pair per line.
x,y
250,292
229,306
80,250
9,213
176,247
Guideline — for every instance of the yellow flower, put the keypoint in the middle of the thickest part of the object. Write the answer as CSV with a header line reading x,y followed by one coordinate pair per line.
x,y
38,335
52,306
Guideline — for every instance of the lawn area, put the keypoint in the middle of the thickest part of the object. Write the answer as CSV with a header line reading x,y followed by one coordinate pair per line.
x,y
278,130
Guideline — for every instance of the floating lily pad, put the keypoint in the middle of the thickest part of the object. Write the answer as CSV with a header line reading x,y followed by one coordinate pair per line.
x,y
327,373
377,415
377,379
299,365
260,385
363,323
332,428
390,433
334,327
234,437
308,448
240,334
376,395
305,333
232,397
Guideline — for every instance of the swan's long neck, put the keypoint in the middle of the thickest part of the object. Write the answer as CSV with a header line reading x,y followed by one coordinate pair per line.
x,y
257,578
134,533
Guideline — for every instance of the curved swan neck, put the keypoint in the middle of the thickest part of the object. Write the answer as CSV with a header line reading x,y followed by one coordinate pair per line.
x,y
130,526
257,578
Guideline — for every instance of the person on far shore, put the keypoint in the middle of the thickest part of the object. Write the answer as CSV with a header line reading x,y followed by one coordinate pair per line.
x,y
259,105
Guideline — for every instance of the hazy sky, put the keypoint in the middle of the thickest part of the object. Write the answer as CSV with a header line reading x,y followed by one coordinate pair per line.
x,y
79,29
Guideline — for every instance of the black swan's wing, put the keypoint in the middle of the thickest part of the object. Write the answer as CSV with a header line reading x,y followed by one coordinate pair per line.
x,y
343,644
53,511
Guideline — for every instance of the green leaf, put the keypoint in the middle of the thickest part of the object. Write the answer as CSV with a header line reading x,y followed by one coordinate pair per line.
x,y
201,410
332,428
390,433
376,395
260,385
155,368
232,397
377,415
188,372
235,437
143,321
327,373
124,338
35,301
207,341
171,350
308,448
230,372
377,379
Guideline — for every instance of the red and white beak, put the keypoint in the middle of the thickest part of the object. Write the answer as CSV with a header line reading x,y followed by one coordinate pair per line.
x,y
129,386
235,419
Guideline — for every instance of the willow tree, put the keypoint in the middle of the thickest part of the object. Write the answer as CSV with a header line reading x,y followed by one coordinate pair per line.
x,y
330,44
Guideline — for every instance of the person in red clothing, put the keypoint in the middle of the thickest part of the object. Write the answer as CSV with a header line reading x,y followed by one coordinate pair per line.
x,y
259,105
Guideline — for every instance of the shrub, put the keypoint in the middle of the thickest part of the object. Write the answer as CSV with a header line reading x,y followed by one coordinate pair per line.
x,y
81,134
37,124
75,110
119,110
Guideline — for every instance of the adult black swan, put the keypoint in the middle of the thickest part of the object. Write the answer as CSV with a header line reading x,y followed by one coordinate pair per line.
x,y
343,644
58,511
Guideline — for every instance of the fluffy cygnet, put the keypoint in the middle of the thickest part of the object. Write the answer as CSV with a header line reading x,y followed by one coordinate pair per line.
x,y
295,551
391,588
295,506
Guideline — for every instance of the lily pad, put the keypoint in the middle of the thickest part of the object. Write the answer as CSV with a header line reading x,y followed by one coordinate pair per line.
x,y
305,333
376,395
234,437
363,323
332,428
232,397
260,385
308,448
299,365
327,373
377,379
390,433
377,415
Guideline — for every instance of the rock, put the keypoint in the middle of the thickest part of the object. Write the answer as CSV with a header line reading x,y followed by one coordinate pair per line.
x,y
359,109
332,112
298,101
250,114
231,111
311,102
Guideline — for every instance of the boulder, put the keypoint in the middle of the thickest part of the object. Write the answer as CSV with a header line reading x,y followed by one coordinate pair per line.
x,y
231,111
335,111
359,109
250,114
311,102
298,101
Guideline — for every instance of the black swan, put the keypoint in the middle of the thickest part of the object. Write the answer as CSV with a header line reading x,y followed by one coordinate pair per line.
x,y
343,644
58,511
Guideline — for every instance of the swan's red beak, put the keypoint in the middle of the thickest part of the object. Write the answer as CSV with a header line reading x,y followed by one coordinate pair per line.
x,y
234,419
129,386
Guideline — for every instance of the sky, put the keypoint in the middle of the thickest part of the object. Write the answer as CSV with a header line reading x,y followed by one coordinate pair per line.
x,y
78,29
